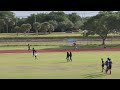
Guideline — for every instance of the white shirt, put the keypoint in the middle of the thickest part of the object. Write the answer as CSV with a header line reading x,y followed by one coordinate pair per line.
x,y
35,54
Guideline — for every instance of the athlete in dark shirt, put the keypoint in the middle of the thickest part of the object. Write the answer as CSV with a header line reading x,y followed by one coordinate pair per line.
x,y
67,57
102,64
107,65
71,56
110,65
33,50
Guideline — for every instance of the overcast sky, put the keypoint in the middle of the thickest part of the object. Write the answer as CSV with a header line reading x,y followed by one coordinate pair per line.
x,y
81,13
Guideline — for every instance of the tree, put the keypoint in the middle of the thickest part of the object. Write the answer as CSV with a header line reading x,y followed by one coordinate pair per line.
x,y
54,23
61,27
57,16
101,24
25,28
51,29
17,29
45,27
31,19
69,25
65,26
11,24
2,23
85,33
20,21
78,25
74,17
36,26
9,18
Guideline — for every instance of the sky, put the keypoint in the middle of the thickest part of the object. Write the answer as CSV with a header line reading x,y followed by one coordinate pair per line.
x,y
28,13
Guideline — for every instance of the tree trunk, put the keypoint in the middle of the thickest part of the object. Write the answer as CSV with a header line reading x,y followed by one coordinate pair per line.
x,y
7,28
37,32
49,31
17,33
103,42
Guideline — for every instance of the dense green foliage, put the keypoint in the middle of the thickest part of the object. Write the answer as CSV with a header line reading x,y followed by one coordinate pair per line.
x,y
59,21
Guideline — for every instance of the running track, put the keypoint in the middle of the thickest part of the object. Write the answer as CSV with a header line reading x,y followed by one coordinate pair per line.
x,y
63,50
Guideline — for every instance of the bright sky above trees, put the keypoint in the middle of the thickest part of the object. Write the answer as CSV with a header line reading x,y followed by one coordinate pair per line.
x,y
81,13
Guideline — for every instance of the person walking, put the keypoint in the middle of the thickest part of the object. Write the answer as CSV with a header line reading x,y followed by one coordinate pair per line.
x,y
70,56
107,65
28,46
33,51
67,57
110,65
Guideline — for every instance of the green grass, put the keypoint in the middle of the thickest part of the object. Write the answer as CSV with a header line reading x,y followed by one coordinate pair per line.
x,y
26,47
52,45
85,65
53,34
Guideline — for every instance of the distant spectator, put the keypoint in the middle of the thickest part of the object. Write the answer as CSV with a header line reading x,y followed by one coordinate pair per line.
x,y
28,46
74,44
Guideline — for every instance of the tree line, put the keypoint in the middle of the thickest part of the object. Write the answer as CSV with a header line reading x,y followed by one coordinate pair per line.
x,y
102,24
39,23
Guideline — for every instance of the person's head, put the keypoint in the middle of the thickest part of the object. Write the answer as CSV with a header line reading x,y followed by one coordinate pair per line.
x,y
102,59
109,59
33,48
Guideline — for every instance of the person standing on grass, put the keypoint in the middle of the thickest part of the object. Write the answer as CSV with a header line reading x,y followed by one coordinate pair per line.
x,y
35,54
33,50
110,65
102,64
71,56
67,57
28,46
107,65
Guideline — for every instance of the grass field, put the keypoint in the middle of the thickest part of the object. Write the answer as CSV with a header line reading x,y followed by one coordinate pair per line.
x,y
53,45
53,34
85,65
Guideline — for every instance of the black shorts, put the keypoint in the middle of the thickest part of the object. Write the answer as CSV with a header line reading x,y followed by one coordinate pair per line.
x,y
110,67
102,65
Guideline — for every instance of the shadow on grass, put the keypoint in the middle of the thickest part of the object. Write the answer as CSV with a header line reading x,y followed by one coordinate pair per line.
x,y
61,62
94,75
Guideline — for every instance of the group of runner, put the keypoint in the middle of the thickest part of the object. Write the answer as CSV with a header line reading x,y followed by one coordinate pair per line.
x,y
108,65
